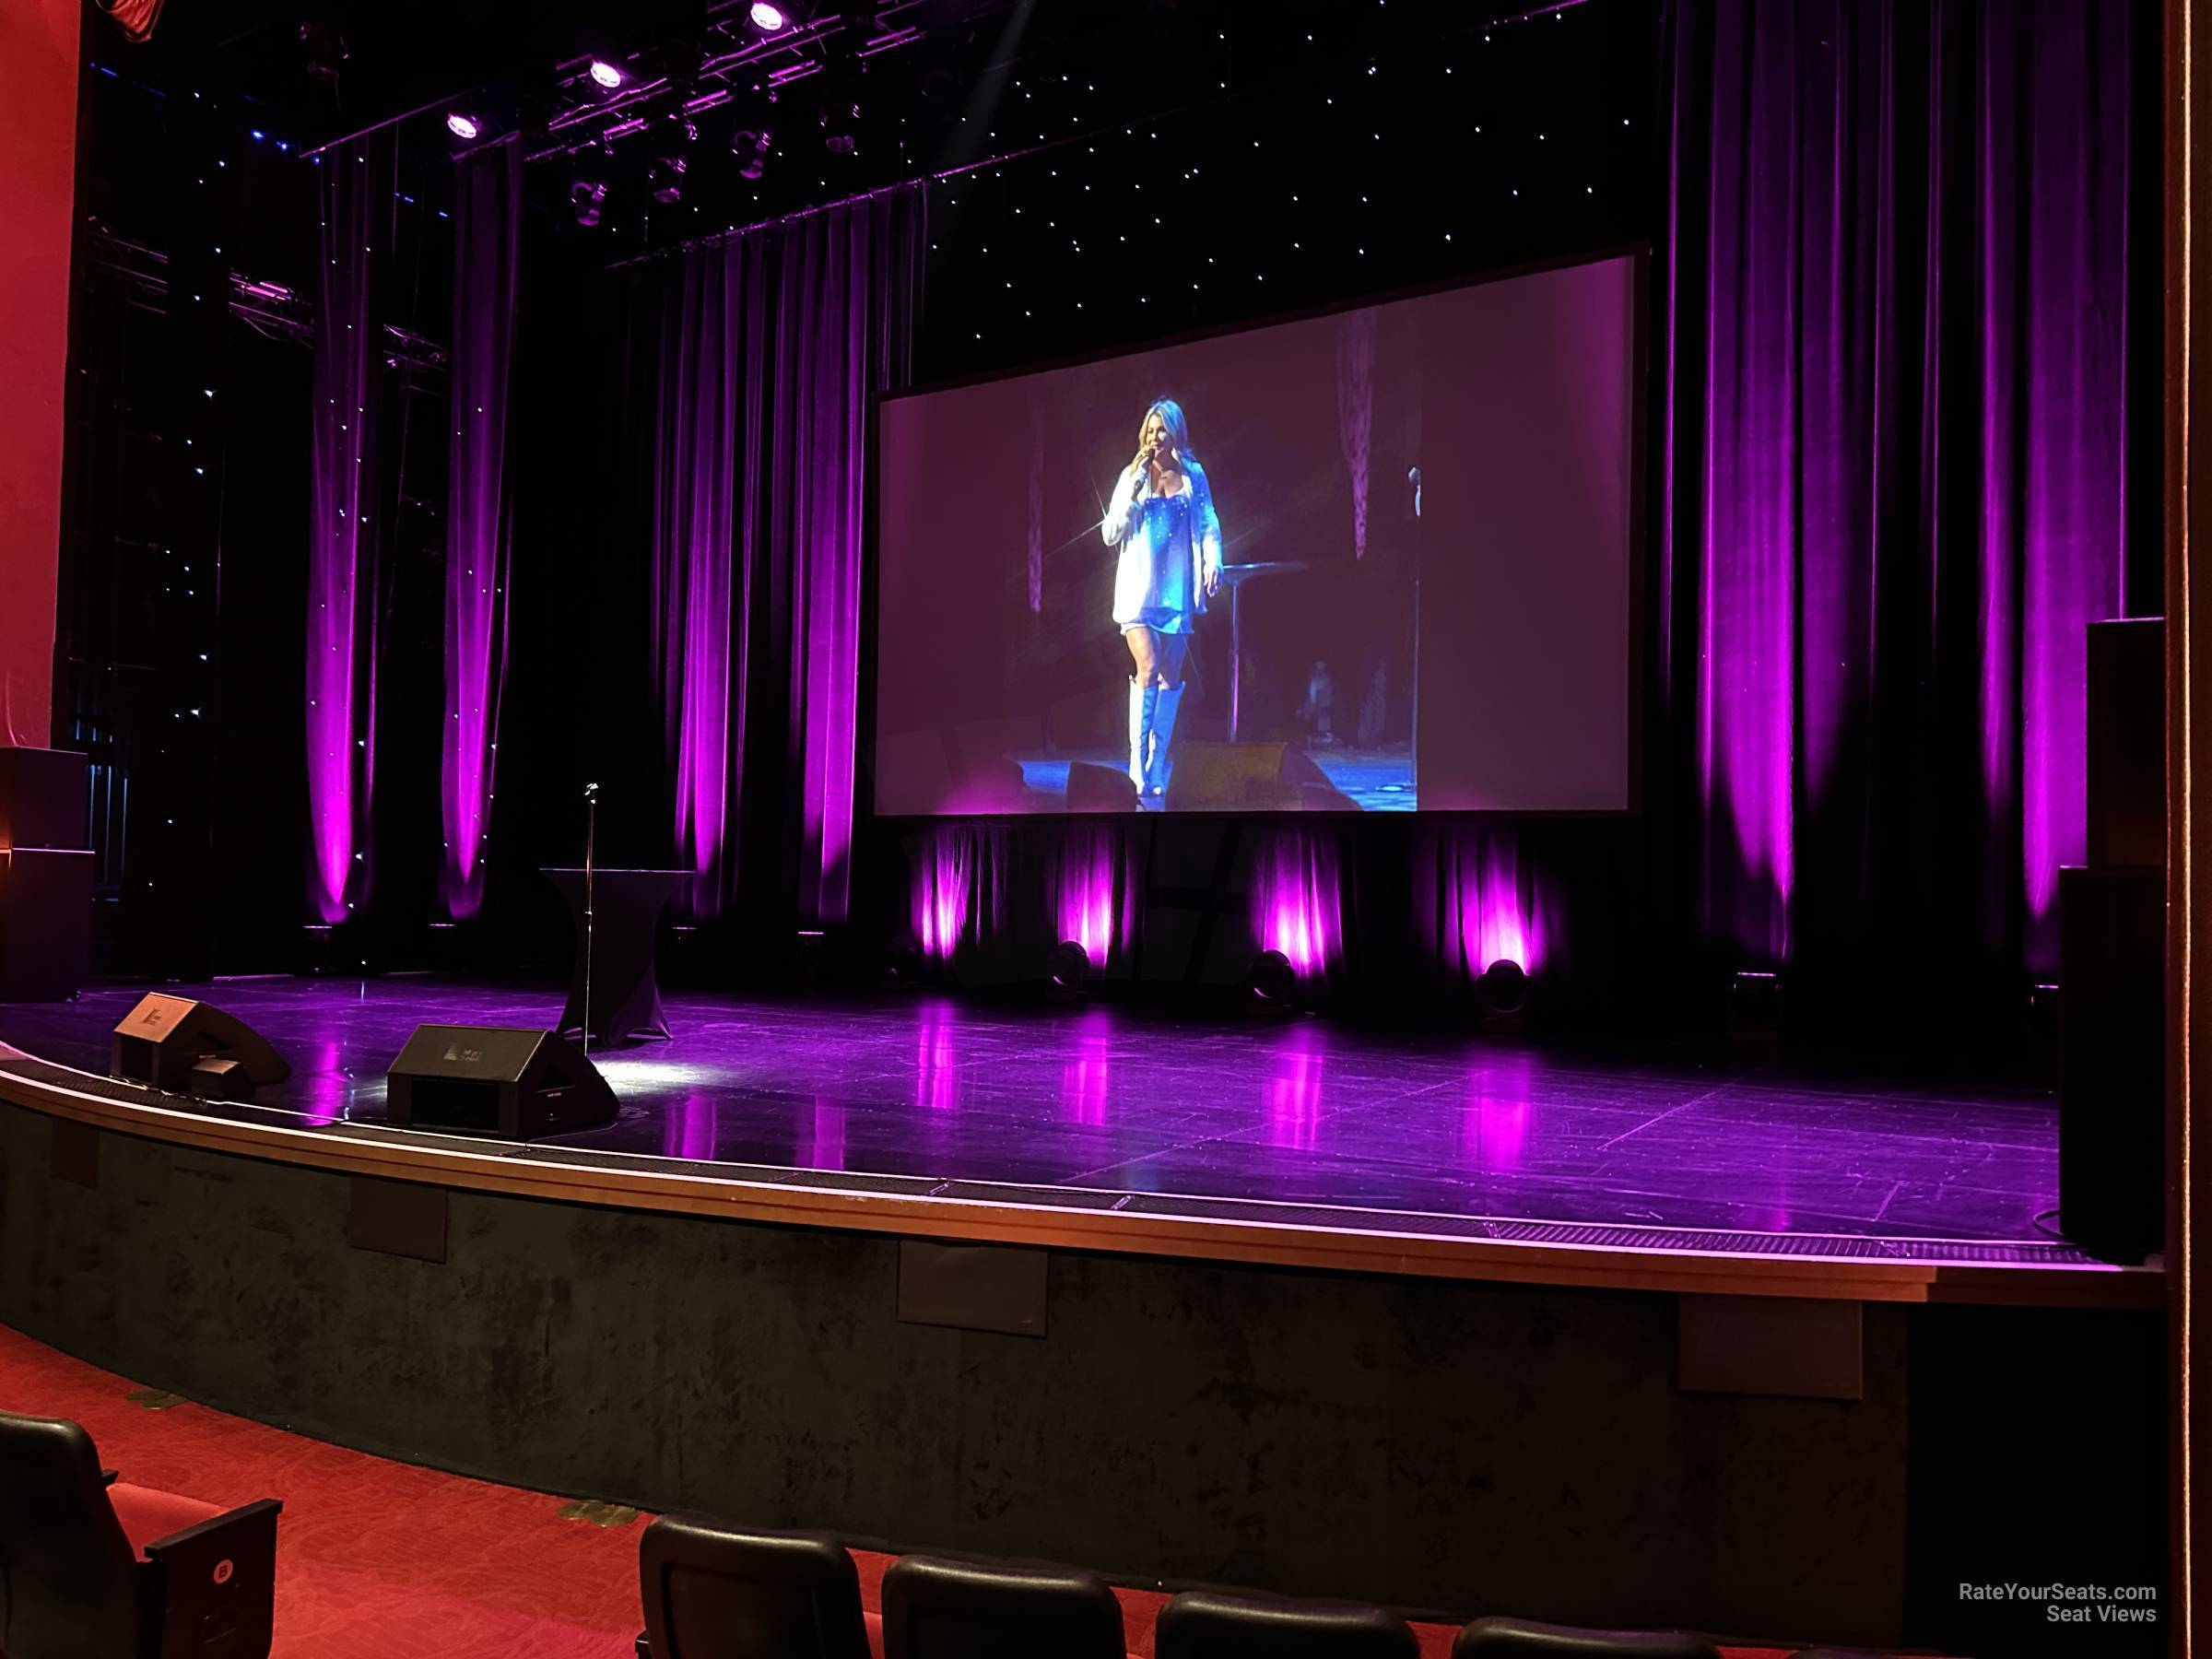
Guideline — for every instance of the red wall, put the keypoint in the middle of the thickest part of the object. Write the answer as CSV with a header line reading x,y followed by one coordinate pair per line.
x,y
38,144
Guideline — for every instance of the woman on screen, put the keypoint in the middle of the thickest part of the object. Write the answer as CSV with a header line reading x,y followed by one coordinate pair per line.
x,y
1162,519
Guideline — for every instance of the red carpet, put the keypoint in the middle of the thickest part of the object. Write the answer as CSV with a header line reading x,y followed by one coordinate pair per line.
x,y
383,1561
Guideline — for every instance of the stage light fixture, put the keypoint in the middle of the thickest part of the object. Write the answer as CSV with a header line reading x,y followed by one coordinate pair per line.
x,y
586,195
1755,1013
1068,967
461,126
769,19
1504,987
666,178
751,146
902,961
326,49
605,73
1273,981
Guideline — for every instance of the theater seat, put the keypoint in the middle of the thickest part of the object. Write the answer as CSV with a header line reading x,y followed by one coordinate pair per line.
x,y
1197,1625
1524,1639
89,1570
716,1592
936,1609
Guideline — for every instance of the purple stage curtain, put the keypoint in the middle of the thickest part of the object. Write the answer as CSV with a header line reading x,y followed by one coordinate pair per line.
x,y
1894,325
356,199
771,344
486,229
1479,897
1298,897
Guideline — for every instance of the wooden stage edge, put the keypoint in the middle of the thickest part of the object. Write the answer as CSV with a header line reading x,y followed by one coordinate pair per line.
x,y
435,1160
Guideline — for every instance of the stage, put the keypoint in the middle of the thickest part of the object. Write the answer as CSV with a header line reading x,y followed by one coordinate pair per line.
x,y
1372,780
1058,1121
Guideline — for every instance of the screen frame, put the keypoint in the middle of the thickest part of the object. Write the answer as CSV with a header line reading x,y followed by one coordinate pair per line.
x,y
1638,254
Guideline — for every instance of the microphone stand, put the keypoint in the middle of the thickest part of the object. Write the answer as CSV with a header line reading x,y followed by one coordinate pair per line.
x,y
591,830
1413,477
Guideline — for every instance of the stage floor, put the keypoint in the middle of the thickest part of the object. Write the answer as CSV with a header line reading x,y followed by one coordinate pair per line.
x,y
1102,1107
1376,779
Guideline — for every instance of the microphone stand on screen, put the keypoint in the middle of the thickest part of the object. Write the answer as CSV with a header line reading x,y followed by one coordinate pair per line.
x,y
1420,548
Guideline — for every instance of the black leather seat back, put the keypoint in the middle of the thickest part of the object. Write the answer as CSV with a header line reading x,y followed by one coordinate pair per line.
x,y
68,1579
937,1609
1199,1625
1525,1639
715,1591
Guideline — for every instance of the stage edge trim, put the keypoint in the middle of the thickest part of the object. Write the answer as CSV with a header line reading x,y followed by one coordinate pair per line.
x,y
968,1221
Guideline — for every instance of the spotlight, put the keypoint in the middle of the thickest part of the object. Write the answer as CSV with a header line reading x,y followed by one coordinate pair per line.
x,y
585,196
461,126
768,19
902,961
1068,967
1504,987
326,49
605,73
666,178
1754,1012
1273,981
751,146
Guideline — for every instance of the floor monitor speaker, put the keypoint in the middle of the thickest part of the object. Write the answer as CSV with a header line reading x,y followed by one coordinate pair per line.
x,y
492,1081
1248,777
2127,743
2112,1098
190,1047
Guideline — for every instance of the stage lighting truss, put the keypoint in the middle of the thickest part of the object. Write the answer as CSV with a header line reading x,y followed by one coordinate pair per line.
x,y
604,98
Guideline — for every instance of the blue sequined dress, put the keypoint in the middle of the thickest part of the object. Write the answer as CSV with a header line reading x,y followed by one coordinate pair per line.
x,y
1169,545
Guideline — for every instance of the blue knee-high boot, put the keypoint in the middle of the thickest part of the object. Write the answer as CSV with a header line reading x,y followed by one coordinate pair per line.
x,y
1141,700
1163,734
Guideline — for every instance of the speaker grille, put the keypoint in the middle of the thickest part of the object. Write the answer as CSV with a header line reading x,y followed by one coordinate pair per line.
x,y
456,1103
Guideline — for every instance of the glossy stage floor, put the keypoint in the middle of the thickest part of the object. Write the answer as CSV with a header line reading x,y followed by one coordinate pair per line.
x,y
1301,1124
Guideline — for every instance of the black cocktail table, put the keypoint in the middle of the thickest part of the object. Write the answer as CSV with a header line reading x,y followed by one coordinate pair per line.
x,y
625,906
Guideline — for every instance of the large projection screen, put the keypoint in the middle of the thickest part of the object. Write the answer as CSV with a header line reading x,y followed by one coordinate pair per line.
x,y
1388,568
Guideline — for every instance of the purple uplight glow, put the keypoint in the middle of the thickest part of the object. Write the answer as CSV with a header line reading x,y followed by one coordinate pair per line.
x,y
944,876
690,1130
1086,1077
486,229
341,575
460,126
1093,908
938,1064
1495,1119
605,73
1300,906
766,17
824,1147
324,1083
1487,904
1481,900
1292,1096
